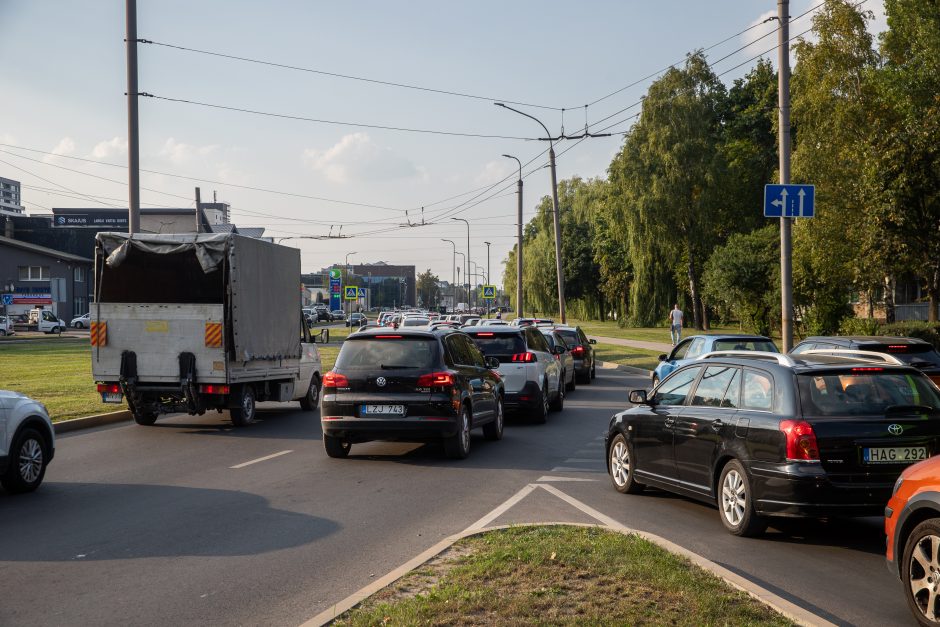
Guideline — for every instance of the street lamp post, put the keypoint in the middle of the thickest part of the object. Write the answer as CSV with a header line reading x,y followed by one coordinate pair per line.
x,y
466,273
453,269
557,218
346,282
489,279
462,264
519,242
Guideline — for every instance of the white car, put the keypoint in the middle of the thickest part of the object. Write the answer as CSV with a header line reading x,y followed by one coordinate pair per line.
x,y
81,322
531,374
6,326
27,442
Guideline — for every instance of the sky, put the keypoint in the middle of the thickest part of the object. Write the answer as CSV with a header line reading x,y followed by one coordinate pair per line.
x,y
63,113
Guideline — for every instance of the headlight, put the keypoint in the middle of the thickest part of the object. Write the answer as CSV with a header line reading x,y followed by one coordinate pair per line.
x,y
897,485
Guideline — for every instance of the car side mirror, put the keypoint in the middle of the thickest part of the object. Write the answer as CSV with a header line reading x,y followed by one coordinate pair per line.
x,y
558,350
491,362
638,397
662,357
593,341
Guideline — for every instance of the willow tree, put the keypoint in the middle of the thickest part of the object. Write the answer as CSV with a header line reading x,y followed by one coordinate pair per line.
x,y
670,174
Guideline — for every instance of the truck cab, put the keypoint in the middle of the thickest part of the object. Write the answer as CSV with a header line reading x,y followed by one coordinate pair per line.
x,y
46,321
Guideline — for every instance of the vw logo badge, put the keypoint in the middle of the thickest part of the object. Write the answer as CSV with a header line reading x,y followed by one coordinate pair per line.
x,y
381,383
895,429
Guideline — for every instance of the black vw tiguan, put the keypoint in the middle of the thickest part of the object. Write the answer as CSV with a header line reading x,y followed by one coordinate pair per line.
x,y
411,386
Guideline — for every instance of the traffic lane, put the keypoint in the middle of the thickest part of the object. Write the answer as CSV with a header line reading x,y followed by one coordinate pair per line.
x,y
835,569
153,521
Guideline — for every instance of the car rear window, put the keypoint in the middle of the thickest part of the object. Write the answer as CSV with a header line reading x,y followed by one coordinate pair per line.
x,y
865,391
571,337
415,322
389,351
745,345
499,344
918,355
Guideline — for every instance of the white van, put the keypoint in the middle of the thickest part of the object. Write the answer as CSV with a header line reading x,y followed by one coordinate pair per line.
x,y
46,321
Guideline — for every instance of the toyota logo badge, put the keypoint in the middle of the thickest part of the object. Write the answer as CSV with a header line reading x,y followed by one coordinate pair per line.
x,y
381,383
895,429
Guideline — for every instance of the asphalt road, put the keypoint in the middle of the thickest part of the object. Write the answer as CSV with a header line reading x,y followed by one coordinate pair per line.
x,y
171,524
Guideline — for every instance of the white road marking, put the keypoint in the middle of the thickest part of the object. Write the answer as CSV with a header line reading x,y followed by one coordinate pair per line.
x,y
260,459
572,469
547,478
499,511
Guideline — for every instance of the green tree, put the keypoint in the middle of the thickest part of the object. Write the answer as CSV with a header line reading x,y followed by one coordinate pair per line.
x,y
742,278
428,290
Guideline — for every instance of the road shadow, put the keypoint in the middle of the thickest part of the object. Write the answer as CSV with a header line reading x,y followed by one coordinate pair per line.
x,y
63,522
289,423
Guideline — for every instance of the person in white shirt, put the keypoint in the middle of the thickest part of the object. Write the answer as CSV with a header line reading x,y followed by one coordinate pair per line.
x,y
675,324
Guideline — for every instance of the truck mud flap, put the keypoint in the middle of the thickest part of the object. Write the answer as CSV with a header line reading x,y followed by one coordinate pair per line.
x,y
128,380
188,382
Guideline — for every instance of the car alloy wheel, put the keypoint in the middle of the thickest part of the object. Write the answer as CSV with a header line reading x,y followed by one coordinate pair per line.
x,y
733,498
465,430
619,463
923,572
30,461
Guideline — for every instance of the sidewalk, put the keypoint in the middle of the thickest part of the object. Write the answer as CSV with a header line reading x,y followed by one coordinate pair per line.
x,y
663,347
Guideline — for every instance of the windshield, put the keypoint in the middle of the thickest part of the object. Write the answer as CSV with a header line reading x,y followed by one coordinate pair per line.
x,y
745,344
391,352
866,392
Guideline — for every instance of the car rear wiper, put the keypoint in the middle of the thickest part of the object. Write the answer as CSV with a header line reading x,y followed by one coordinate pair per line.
x,y
900,409
395,367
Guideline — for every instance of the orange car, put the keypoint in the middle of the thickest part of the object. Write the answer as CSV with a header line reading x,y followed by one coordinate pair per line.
x,y
912,527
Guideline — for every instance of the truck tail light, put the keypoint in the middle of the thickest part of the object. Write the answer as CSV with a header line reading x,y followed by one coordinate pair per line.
x,y
526,358
334,380
111,388
436,380
214,389
801,441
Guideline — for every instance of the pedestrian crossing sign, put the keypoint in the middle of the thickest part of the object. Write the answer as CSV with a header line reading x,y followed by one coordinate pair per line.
x,y
489,292
351,292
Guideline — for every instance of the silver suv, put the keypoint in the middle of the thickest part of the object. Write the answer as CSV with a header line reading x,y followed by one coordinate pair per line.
x,y
27,442
531,374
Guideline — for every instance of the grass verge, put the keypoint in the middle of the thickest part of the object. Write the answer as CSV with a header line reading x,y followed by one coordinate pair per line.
x,y
56,373
559,575
646,334
627,356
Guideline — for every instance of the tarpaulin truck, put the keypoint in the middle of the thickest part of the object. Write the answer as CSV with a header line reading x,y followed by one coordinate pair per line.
x,y
193,322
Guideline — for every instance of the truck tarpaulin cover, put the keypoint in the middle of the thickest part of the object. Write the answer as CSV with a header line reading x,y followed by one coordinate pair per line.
x,y
265,306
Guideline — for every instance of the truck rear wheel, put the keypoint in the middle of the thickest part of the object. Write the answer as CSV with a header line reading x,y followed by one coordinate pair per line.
x,y
244,413
145,418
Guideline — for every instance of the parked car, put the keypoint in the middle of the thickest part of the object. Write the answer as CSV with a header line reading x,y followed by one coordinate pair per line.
x,y
356,319
366,326
562,353
582,350
27,442
6,326
530,372
337,314
46,321
773,435
916,352
912,534
80,322
321,314
411,385
695,346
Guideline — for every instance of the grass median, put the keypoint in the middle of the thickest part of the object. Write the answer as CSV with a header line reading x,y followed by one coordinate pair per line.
x,y
627,356
559,575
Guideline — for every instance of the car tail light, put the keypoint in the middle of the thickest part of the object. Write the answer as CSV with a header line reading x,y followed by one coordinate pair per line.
x,y
526,358
436,380
387,337
801,440
577,351
112,388
334,380
868,369
483,335
214,389
898,348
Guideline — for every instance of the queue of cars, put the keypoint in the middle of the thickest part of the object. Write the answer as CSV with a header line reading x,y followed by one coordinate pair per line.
x,y
839,427
417,377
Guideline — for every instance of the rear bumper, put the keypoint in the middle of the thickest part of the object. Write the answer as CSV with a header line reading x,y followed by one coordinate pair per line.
x,y
805,490
526,398
422,422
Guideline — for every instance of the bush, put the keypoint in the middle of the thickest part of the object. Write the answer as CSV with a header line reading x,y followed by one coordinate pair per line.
x,y
860,326
922,330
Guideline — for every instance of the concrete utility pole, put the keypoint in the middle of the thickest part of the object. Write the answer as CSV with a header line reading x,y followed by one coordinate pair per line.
x,y
453,270
466,269
133,138
786,245
519,243
557,219
489,279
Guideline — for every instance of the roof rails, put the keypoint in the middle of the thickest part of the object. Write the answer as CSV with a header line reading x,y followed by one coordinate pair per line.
x,y
783,360
849,353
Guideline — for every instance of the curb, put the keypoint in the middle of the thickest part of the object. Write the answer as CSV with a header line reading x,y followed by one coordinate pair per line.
x,y
609,365
76,424
789,610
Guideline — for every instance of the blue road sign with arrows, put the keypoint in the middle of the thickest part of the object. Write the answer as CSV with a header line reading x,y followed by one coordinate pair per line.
x,y
7,299
789,201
